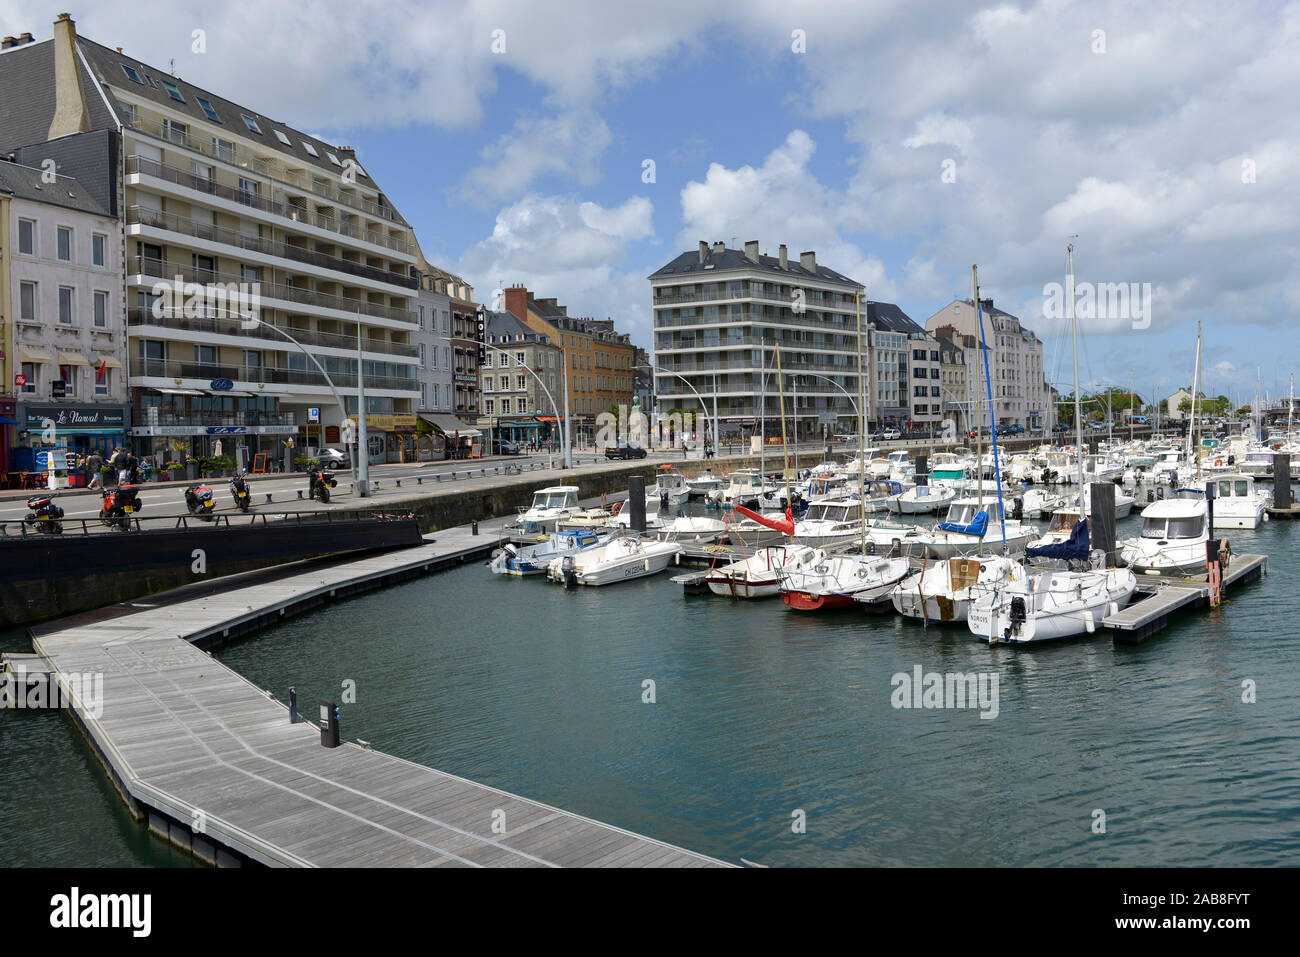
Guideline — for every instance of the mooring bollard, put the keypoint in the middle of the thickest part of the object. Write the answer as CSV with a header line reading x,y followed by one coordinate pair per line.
x,y
294,717
300,494
268,498
399,482
473,527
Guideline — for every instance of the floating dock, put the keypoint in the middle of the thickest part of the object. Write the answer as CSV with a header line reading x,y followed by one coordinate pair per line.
x,y
1143,618
216,766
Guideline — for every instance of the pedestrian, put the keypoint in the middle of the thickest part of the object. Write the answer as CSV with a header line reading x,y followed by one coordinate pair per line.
x,y
132,469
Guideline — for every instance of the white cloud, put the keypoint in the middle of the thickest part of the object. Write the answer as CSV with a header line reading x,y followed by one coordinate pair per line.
x,y
571,145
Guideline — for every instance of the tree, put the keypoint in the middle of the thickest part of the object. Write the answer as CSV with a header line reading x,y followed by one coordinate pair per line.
x,y
1185,407
1245,410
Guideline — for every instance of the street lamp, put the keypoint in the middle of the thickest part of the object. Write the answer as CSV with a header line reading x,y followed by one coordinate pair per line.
x,y
703,408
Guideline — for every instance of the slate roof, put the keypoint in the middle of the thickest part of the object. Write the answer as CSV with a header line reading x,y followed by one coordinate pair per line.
x,y
887,316
688,266
507,324
23,182
27,95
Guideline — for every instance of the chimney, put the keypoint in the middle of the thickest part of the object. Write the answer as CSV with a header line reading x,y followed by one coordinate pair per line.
x,y
986,305
719,248
704,250
70,113
785,262
26,38
8,42
751,250
809,261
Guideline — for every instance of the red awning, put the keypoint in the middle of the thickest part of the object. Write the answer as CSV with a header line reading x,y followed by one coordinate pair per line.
x,y
544,418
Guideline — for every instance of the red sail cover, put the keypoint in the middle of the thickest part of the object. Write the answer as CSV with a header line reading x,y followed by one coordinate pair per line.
x,y
786,526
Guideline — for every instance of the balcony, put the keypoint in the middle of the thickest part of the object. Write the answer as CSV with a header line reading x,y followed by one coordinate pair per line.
x,y
263,168
755,318
190,180
138,215
154,416
177,369
167,270
226,326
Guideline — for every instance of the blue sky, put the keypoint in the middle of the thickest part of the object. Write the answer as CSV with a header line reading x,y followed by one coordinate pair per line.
x,y
1162,136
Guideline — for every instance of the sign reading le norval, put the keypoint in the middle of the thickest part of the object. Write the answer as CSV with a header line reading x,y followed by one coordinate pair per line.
x,y
67,417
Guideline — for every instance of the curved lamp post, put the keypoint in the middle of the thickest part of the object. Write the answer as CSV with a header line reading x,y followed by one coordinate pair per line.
x,y
703,407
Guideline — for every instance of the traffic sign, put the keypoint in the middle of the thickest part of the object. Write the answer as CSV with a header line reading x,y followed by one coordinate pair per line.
x,y
20,380
313,415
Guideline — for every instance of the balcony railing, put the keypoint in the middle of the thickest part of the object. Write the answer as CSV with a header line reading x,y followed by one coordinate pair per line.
x,y
167,270
269,247
177,369
247,197
153,416
227,326
787,318
263,168
728,296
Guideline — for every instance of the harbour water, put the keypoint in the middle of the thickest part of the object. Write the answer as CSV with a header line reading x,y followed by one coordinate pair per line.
x,y
761,713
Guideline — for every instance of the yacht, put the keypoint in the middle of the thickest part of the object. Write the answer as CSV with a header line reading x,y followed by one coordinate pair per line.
x,y
671,489
760,575
944,589
838,581
1172,540
923,500
550,506
618,560
829,522
703,484
1239,501
533,559
972,521
1050,606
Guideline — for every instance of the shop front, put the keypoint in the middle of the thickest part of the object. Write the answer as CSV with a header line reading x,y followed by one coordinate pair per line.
x,y
444,436
390,438
80,430
175,425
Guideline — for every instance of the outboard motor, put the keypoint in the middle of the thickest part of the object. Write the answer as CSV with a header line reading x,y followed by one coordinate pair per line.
x,y
568,572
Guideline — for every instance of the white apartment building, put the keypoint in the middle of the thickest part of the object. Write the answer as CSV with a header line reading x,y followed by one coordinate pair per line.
x,y
926,391
890,349
433,341
219,197
66,347
719,313
1020,393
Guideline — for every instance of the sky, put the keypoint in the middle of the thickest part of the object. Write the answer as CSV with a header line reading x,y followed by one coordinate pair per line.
x,y
577,146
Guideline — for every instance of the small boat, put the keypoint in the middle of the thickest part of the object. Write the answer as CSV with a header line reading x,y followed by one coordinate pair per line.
x,y
671,488
922,500
1051,606
830,522
619,560
1240,501
972,521
944,589
1041,502
533,559
879,493
1172,540
550,506
703,484
695,530
590,518
839,581
760,575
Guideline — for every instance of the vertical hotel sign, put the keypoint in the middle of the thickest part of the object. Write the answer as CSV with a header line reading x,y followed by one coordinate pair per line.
x,y
480,333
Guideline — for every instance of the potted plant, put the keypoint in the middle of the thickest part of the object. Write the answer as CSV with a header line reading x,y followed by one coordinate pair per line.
x,y
303,462
168,471
191,470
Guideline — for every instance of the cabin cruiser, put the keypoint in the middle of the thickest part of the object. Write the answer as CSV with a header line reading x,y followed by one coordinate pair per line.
x,y
1051,606
923,500
829,522
618,560
533,559
671,489
550,506
879,493
760,575
1239,501
972,521
838,581
944,589
947,468
703,484
1172,541
743,487
1040,502
708,531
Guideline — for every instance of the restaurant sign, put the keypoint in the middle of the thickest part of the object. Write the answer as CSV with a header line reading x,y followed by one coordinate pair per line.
x,y
68,418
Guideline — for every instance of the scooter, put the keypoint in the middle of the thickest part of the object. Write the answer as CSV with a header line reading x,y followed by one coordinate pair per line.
x,y
118,505
319,483
240,492
45,515
199,500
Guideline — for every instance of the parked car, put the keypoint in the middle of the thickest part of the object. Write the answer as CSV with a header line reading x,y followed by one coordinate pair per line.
x,y
1060,427
624,452
890,434
504,447
334,459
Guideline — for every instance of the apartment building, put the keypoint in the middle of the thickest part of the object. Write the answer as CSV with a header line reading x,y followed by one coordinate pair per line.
x,y
460,325
522,381
599,360
255,255
888,352
719,313
1015,363
925,383
433,342
61,281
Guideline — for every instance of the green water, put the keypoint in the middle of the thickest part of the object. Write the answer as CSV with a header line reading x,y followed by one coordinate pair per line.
x,y
762,712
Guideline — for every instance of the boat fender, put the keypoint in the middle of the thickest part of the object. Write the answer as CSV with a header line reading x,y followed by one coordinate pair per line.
x,y
618,507
1112,609
862,572
1218,463
1089,622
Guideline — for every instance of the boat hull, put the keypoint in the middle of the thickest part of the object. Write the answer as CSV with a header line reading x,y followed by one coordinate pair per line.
x,y
808,601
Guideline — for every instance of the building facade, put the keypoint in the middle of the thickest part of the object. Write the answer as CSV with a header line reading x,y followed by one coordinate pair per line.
x,y
241,233
1015,363
954,388
719,313
522,382
65,348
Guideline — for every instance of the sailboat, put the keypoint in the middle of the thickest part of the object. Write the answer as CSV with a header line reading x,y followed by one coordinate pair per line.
x,y
1055,604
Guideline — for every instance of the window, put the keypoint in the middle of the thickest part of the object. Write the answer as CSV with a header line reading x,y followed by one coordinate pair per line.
x,y
248,190
102,381
332,158
523,406
27,237
489,407
29,373
131,74
487,384
223,149
202,176
505,406
519,358
205,355
424,396
65,244
279,135
433,358
309,148
207,108
176,132
173,92
97,243
151,82
101,310
521,384
421,355
251,124
128,114
65,305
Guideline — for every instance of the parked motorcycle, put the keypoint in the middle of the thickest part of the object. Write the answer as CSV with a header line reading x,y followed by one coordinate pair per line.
x,y
45,515
199,500
319,483
240,492
118,505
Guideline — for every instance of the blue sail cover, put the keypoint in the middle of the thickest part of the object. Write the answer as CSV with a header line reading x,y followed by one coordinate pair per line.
x,y
1073,549
978,526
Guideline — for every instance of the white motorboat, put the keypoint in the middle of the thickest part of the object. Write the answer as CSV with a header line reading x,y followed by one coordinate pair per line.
x,y
944,589
829,522
703,484
743,487
923,500
1172,541
1239,501
1050,606
1041,502
671,489
685,529
619,560
533,559
550,506
838,581
760,575
879,493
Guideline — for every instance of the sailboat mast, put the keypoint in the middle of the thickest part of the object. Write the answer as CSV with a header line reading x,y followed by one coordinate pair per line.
x,y
1131,399
762,416
785,458
862,435
1078,401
